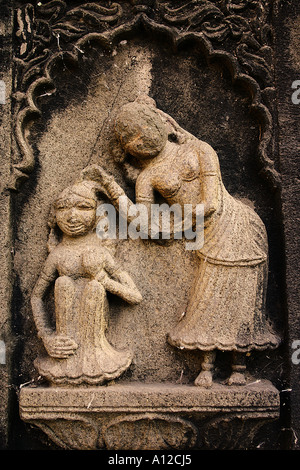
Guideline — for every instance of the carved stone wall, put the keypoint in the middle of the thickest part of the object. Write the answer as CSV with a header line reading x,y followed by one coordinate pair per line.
x,y
216,68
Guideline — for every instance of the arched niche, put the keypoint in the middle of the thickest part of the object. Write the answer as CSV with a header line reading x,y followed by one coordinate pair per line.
x,y
75,101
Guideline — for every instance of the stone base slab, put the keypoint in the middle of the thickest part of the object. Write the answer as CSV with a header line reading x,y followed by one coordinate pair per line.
x,y
146,416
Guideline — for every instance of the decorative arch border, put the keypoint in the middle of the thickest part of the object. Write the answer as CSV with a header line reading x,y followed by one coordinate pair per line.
x,y
34,61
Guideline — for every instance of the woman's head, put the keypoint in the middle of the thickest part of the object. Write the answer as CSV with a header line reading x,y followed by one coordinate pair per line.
x,y
140,130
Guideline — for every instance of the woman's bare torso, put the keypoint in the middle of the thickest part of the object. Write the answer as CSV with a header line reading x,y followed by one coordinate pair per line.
x,y
176,176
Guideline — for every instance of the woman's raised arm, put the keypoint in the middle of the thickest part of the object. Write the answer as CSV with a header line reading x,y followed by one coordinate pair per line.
x,y
210,178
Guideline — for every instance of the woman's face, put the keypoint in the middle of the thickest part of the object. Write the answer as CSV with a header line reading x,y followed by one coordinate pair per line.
x,y
142,145
75,215
141,132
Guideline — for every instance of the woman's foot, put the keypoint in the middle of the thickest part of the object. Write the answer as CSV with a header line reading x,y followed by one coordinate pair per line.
x,y
236,378
238,370
204,379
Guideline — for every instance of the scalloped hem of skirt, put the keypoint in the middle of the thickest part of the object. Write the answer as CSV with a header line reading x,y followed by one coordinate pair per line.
x,y
99,379
225,347
84,379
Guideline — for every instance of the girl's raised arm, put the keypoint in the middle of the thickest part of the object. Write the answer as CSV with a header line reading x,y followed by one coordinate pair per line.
x,y
46,278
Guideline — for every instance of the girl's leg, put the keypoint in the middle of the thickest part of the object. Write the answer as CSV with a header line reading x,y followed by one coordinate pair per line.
x,y
100,360
205,378
64,291
92,322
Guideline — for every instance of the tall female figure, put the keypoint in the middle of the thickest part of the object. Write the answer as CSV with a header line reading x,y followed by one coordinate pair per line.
x,y
226,309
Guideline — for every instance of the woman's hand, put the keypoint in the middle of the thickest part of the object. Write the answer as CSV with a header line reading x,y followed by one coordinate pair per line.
x,y
59,346
98,174
107,182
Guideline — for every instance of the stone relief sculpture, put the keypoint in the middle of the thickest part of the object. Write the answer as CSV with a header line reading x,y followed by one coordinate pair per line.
x,y
226,309
226,305
83,270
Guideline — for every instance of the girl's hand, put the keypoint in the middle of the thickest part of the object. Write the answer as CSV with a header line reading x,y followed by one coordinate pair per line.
x,y
102,277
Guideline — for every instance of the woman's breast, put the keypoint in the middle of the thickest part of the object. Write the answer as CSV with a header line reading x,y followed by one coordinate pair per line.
x,y
180,180
189,168
189,192
168,184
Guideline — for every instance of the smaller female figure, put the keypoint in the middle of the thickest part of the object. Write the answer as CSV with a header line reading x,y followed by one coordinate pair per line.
x,y
83,270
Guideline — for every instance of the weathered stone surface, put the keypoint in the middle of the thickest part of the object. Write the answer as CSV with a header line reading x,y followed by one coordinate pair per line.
x,y
6,343
258,396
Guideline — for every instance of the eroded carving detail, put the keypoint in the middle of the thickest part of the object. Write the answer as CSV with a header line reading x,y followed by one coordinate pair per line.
x,y
75,433
152,431
245,22
83,271
231,432
226,307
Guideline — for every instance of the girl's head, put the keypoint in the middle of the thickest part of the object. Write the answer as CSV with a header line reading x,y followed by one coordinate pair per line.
x,y
75,209
74,212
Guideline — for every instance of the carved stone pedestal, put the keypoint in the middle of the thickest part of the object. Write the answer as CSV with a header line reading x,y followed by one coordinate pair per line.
x,y
150,416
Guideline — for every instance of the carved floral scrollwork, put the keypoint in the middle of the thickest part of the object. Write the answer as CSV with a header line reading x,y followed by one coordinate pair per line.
x,y
153,432
221,20
235,32
52,25
231,432
76,433
150,432
132,432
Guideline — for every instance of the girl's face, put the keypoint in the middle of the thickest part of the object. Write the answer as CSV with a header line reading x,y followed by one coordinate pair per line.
x,y
75,215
